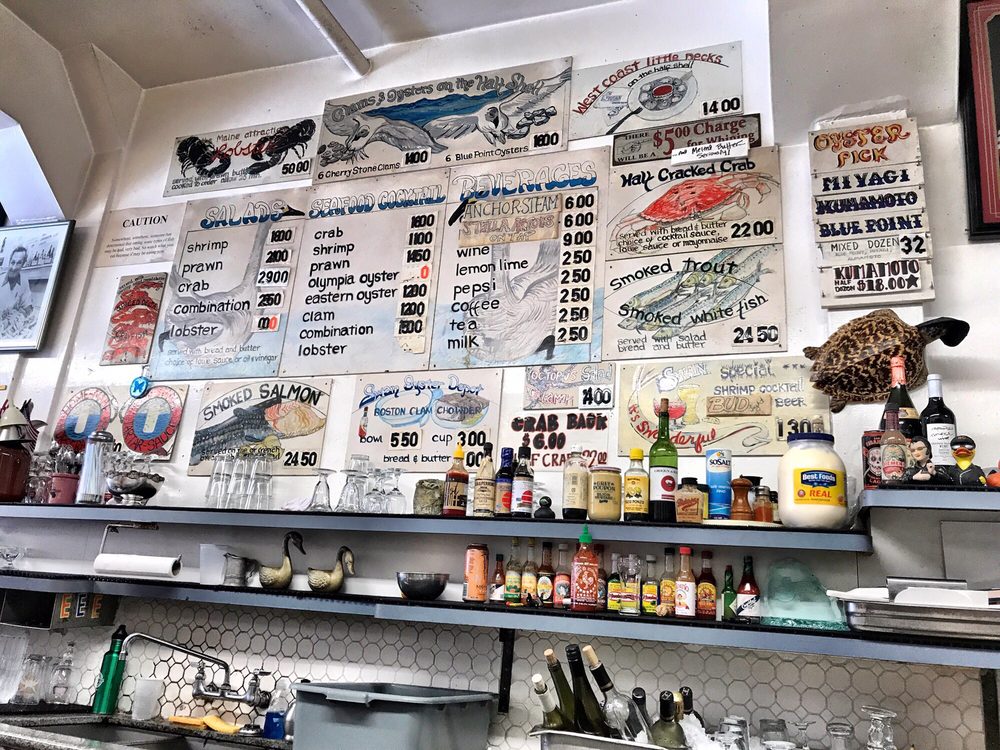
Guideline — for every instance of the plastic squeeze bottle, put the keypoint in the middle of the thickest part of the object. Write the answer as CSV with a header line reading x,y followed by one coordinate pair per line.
x,y
584,575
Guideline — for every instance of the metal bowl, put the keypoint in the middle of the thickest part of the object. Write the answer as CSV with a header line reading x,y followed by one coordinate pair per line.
x,y
422,586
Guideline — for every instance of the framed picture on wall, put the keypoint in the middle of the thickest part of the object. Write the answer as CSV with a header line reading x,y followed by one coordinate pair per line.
x,y
30,258
979,100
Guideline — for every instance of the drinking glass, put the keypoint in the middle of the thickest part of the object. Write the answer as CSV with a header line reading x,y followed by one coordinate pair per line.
x,y
630,570
801,729
259,490
359,462
395,502
773,729
12,649
10,554
239,484
31,687
880,732
218,484
841,735
321,493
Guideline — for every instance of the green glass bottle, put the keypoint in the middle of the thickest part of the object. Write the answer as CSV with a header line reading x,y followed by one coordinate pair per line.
x,y
666,731
663,471
729,597
109,682
587,709
563,691
552,717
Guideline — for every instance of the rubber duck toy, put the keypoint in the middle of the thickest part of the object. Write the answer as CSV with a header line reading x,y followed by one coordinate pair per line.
x,y
331,581
280,577
964,472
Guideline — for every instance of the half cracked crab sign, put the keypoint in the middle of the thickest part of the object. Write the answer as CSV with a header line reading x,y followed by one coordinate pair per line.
x,y
696,264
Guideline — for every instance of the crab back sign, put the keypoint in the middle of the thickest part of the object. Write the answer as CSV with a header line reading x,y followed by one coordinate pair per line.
x,y
671,87
463,119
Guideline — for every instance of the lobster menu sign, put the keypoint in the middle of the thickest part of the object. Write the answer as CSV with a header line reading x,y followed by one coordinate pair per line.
x,y
243,157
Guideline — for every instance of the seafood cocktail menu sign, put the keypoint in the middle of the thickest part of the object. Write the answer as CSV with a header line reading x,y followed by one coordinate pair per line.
x,y
671,87
412,421
748,406
282,420
478,117
518,295
696,263
367,272
243,157
226,304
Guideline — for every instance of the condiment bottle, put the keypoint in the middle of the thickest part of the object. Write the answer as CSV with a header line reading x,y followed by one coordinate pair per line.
x,y
546,576
504,483
748,608
812,479
523,498
689,501
602,579
728,596
583,581
630,567
485,489
706,605
498,583
668,585
606,493
650,587
614,586
636,488
894,450
576,486
529,577
763,510
512,577
663,470
741,501
687,587
561,595
456,485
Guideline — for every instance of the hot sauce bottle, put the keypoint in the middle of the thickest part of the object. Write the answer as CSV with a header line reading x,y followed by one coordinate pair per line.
x,y
748,607
456,485
583,578
561,593
707,591
686,596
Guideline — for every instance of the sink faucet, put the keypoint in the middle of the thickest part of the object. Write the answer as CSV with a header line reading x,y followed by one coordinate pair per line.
x,y
253,696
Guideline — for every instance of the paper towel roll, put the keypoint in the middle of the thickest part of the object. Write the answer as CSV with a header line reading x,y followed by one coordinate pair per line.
x,y
137,565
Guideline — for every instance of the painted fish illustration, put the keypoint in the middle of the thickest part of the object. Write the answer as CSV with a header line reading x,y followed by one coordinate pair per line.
x,y
264,422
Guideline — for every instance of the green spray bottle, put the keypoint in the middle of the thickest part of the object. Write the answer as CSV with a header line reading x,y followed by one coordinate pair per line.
x,y
109,682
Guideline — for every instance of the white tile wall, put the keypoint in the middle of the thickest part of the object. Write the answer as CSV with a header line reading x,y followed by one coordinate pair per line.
x,y
940,708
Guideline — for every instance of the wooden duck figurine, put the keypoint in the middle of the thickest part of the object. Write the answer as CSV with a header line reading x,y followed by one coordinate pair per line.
x,y
332,581
281,577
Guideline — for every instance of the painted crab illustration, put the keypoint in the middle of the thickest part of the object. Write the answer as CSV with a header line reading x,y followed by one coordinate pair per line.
x,y
725,197
272,149
199,154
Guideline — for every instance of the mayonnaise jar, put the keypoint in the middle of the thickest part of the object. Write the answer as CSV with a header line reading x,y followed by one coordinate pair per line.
x,y
812,485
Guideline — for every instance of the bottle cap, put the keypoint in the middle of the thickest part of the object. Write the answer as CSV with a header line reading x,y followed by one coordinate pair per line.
x,y
822,435
668,551
562,546
576,448
546,545
573,653
539,683
636,454
524,452
499,557
459,451
651,558
585,537
685,550
550,657
706,555
689,480
488,449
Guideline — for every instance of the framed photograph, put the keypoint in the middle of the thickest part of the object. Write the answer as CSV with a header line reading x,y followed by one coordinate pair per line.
x,y
30,258
979,101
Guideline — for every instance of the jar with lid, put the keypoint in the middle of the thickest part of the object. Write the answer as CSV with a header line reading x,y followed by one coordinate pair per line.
x,y
811,483
689,501
605,493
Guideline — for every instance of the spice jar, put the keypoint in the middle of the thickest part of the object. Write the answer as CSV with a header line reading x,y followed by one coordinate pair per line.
x,y
605,493
689,501
762,508
741,499
811,483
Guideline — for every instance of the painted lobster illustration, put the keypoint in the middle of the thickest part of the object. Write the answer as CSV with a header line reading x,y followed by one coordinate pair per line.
x,y
199,154
272,149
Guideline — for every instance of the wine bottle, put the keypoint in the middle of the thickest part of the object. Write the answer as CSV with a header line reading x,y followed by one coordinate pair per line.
x,y
639,699
587,711
563,691
666,731
728,597
552,717
909,419
663,471
939,423
619,711
504,482
687,694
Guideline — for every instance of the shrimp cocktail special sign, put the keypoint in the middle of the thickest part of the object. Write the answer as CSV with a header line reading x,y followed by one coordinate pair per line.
x,y
281,420
243,157
521,271
413,421
695,259
464,119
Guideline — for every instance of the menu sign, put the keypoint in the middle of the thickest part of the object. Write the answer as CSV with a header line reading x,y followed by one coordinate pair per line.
x,y
552,435
133,319
459,120
590,386
748,406
412,421
226,303
523,297
660,142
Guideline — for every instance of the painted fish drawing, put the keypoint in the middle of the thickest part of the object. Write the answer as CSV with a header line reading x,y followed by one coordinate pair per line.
x,y
264,423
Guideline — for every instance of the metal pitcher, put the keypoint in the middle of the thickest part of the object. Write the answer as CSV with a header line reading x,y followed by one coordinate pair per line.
x,y
239,570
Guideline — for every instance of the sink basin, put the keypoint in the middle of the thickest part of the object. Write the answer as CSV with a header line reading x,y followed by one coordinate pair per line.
x,y
142,738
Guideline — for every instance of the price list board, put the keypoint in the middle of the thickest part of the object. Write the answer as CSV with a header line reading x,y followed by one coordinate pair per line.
x,y
521,272
364,291
412,421
226,303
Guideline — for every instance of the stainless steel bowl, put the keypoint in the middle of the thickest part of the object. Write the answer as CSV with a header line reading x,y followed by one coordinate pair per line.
x,y
422,586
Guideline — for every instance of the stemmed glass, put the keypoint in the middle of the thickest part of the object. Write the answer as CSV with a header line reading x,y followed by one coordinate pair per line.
x,y
9,554
352,492
802,739
375,496
395,502
880,732
321,493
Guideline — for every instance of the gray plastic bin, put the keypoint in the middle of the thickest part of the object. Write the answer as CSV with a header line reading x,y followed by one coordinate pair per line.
x,y
377,715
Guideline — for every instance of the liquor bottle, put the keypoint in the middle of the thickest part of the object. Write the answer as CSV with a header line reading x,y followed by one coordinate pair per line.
x,y
668,584
909,419
728,597
687,694
666,731
602,579
939,423
576,486
504,483
650,587
561,595
523,492
636,488
663,471
546,576
748,607
895,453
686,595
456,485
552,717
529,577
512,578
707,592
583,577
109,681
639,699
362,427
563,691
614,586
586,710
620,712
485,489
499,582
